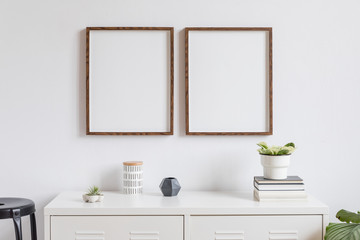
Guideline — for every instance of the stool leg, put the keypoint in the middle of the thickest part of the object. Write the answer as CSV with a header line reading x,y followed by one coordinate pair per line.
x,y
33,226
17,223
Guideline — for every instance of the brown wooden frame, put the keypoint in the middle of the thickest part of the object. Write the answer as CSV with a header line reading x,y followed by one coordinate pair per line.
x,y
270,90
171,30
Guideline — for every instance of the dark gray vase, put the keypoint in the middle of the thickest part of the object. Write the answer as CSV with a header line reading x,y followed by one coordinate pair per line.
x,y
170,187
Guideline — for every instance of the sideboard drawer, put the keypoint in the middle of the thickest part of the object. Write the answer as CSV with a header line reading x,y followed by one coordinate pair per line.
x,y
116,227
300,227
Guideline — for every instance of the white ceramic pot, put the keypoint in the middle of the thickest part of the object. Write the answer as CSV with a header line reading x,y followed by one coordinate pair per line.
x,y
100,198
275,167
93,198
90,198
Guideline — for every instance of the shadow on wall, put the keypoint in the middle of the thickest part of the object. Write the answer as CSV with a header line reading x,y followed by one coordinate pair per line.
x,y
229,181
111,180
81,111
39,217
181,81
7,227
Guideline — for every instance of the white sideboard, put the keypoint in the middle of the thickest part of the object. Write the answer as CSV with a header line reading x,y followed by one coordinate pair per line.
x,y
189,216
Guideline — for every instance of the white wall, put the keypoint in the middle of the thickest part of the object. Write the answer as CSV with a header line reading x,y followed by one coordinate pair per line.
x,y
43,146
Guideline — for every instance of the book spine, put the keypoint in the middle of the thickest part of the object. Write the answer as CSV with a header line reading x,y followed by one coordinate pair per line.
x,y
279,187
280,194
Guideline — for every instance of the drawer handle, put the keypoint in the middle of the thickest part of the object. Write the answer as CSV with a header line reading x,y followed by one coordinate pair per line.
x,y
283,235
140,235
144,233
229,232
229,238
144,238
89,233
284,232
90,238
283,238
229,235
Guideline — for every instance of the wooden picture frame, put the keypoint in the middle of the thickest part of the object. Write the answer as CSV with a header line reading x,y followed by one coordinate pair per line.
x,y
129,80
228,81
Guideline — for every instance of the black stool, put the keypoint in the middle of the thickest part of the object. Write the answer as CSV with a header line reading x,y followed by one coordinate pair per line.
x,y
16,208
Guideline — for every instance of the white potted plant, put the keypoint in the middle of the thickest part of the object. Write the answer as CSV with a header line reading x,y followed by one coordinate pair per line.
x,y
275,159
93,195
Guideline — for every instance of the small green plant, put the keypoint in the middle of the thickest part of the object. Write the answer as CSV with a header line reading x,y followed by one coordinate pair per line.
x,y
93,191
276,150
349,229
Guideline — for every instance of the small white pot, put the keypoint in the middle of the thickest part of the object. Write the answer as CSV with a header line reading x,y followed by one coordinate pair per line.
x,y
93,198
100,198
275,167
90,198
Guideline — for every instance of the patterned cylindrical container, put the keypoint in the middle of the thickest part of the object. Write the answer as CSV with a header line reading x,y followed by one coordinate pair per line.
x,y
133,177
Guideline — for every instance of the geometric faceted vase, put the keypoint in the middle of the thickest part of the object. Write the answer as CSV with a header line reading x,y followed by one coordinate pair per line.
x,y
170,187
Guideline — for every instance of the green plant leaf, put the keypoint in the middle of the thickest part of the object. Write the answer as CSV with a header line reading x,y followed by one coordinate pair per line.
x,y
261,150
283,151
342,231
94,190
288,150
266,151
263,145
276,150
290,144
347,216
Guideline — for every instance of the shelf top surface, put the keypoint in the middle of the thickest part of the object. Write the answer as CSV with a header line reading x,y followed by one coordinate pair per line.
x,y
187,202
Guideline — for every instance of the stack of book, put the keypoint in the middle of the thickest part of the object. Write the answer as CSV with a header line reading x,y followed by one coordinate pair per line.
x,y
291,188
